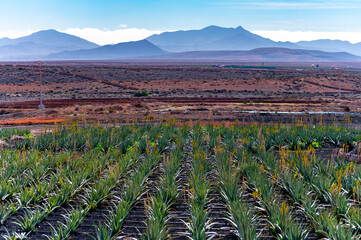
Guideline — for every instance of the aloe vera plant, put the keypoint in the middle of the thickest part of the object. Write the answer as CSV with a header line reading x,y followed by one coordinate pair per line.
x,y
199,224
14,236
30,220
167,193
157,219
243,219
239,214
5,211
102,232
72,222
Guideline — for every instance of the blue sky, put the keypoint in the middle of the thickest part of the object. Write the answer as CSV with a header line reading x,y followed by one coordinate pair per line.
x,y
113,18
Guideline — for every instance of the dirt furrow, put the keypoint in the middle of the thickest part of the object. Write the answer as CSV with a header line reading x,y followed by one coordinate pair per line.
x,y
179,211
134,224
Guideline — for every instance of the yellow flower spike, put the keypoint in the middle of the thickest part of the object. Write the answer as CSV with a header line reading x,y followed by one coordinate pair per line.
x,y
254,194
339,179
333,187
283,208
354,195
145,206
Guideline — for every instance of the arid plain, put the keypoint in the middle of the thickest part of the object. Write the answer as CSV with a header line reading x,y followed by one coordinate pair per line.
x,y
106,91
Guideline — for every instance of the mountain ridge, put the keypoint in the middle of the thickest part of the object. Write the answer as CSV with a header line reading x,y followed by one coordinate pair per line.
x,y
51,44
331,45
263,55
40,44
213,38
50,37
115,51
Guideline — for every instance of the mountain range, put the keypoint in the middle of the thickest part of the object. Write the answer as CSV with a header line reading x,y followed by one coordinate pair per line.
x,y
210,43
331,46
262,55
40,44
213,38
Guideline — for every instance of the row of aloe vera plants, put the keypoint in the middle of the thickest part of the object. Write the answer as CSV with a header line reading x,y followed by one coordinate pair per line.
x,y
158,205
276,136
73,136
87,164
332,207
240,214
234,164
334,183
324,191
199,223
168,192
92,199
76,137
134,187
56,178
93,193
41,178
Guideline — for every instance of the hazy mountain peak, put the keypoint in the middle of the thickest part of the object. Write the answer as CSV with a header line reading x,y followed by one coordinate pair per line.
x,y
40,44
144,41
132,49
47,31
330,46
212,38
215,27
211,27
50,37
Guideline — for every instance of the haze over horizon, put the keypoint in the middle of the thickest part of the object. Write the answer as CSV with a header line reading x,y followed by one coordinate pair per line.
x,y
115,21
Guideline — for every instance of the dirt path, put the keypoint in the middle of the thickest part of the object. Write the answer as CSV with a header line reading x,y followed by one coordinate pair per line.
x,y
57,103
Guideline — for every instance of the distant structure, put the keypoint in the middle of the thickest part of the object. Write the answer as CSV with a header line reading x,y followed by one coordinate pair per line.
x,y
339,83
41,105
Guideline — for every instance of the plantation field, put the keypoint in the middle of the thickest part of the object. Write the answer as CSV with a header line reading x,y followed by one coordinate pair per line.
x,y
181,181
